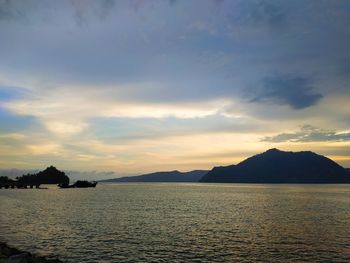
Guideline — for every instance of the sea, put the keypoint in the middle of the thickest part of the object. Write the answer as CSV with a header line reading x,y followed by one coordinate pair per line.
x,y
180,222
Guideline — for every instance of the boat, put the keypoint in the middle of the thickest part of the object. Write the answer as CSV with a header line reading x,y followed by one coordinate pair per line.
x,y
84,184
65,185
79,184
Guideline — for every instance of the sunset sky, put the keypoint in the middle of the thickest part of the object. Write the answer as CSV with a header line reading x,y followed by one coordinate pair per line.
x,y
139,86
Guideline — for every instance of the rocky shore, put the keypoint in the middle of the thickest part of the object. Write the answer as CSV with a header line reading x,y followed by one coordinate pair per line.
x,y
12,255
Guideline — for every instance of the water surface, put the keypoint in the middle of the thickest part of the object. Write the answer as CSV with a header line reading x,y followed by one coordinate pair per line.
x,y
181,222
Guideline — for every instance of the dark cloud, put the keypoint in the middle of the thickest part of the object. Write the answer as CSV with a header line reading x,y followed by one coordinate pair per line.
x,y
268,12
259,13
296,92
82,11
218,2
343,66
163,45
308,133
85,10
106,7
10,9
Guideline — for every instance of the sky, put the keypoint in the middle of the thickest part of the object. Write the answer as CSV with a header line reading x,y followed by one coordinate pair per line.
x,y
129,87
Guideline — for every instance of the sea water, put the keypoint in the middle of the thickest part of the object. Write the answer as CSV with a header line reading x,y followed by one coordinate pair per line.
x,y
134,222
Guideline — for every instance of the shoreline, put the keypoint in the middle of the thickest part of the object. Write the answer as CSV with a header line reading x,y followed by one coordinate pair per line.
x,y
11,254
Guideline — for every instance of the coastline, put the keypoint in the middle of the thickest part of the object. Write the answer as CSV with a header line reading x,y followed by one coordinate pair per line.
x,y
10,254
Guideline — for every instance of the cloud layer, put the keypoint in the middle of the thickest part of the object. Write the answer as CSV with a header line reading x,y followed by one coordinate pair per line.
x,y
294,91
136,85
309,134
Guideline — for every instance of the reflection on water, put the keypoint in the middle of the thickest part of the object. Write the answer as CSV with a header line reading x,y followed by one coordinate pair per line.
x,y
181,222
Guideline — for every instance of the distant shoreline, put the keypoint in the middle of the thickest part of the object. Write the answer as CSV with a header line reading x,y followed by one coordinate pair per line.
x,y
13,254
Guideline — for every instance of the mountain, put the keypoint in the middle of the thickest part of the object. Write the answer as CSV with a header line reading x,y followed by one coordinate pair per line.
x,y
49,176
275,166
171,176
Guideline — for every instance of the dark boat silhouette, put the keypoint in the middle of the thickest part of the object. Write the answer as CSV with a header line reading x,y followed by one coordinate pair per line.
x,y
79,184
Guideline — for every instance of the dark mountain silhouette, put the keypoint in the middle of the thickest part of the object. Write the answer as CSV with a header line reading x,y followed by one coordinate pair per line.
x,y
49,176
275,166
171,176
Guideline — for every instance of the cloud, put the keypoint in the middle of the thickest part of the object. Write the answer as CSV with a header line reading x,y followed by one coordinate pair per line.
x,y
67,112
10,10
8,93
172,2
261,12
80,10
269,12
13,123
112,83
343,66
296,92
163,45
84,11
309,133
125,130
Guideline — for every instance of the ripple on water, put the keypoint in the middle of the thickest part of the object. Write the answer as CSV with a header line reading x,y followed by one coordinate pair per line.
x,y
181,222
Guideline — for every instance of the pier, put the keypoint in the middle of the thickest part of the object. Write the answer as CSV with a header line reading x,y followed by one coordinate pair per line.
x,y
18,185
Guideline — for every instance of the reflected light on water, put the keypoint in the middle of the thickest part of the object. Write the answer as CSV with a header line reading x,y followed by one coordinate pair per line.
x,y
181,222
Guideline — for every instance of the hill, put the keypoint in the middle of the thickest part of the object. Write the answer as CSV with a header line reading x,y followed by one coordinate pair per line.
x,y
5,179
275,166
49,176
170,176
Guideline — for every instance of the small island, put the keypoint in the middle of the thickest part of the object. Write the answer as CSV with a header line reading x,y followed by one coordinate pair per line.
x,y
51,175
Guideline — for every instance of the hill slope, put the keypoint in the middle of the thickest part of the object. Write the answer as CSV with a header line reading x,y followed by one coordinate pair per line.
x,y
49,176
275,166
171,176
